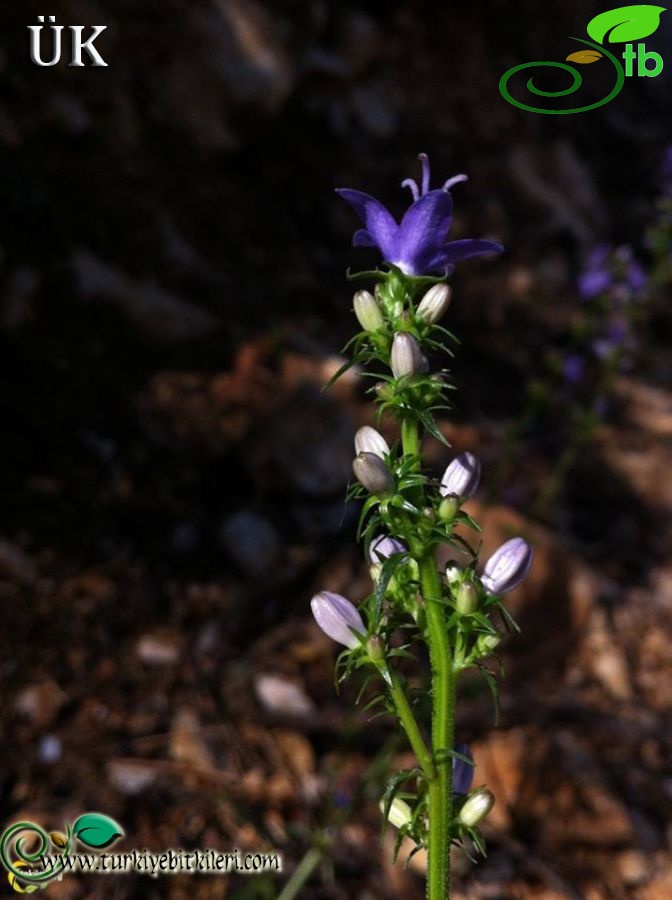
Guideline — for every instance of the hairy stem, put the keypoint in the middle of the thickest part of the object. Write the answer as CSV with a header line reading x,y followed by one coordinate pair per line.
x,y
410,725
443,732
443,707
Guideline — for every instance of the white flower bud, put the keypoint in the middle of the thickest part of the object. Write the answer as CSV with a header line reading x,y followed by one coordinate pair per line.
x,y
372,472
462,477
406,357
434,304
368,440
466,600
477,807
400,812
368,311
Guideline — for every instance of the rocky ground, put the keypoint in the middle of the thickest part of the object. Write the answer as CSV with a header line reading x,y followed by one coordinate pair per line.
x,y
171,303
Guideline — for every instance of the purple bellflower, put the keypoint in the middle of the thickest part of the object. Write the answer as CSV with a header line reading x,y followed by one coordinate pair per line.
x,y
417,245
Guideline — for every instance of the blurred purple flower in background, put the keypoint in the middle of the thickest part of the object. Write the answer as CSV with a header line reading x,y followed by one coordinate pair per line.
x,y
418,244
608,269
463,772
597,276
614,338
573,368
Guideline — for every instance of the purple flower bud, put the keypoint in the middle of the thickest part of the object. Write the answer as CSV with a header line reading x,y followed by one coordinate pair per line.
x,y
507,567
406,357
462,477
434,304
463,772
477,807
337,618
368,440
367,311
372,472
382,547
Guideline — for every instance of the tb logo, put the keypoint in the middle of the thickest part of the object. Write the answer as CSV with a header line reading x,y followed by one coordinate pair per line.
x,y
79,45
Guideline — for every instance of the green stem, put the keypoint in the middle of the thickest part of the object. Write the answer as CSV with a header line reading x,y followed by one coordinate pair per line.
x,y
410,725
302,873
410,439
443,732
443,707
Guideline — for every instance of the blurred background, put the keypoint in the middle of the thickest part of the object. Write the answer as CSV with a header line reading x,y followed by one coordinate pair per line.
x,y
172,299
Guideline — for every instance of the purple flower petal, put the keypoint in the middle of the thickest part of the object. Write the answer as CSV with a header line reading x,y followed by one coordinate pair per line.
x,y
379,222
423,228
362,238
455,251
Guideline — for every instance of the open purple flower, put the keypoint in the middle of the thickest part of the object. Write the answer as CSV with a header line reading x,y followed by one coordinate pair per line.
x,y
417,245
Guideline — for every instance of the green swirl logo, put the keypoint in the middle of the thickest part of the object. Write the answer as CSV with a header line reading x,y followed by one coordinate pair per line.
x,y
625,24
31,869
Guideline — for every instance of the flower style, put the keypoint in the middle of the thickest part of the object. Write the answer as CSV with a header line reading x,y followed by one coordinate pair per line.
x,y
417,245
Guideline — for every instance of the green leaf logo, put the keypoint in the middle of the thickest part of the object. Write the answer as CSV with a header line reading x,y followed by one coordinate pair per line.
x,y
96,830
584,57
627,23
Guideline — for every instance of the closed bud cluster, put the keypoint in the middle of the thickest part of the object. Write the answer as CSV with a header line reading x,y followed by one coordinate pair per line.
x,y
449,508
406,357
462,477
453,574
368,440
373,474
434,304
337,618
487,644
384,391
507,567
466,599
375,649
368,311
477,807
